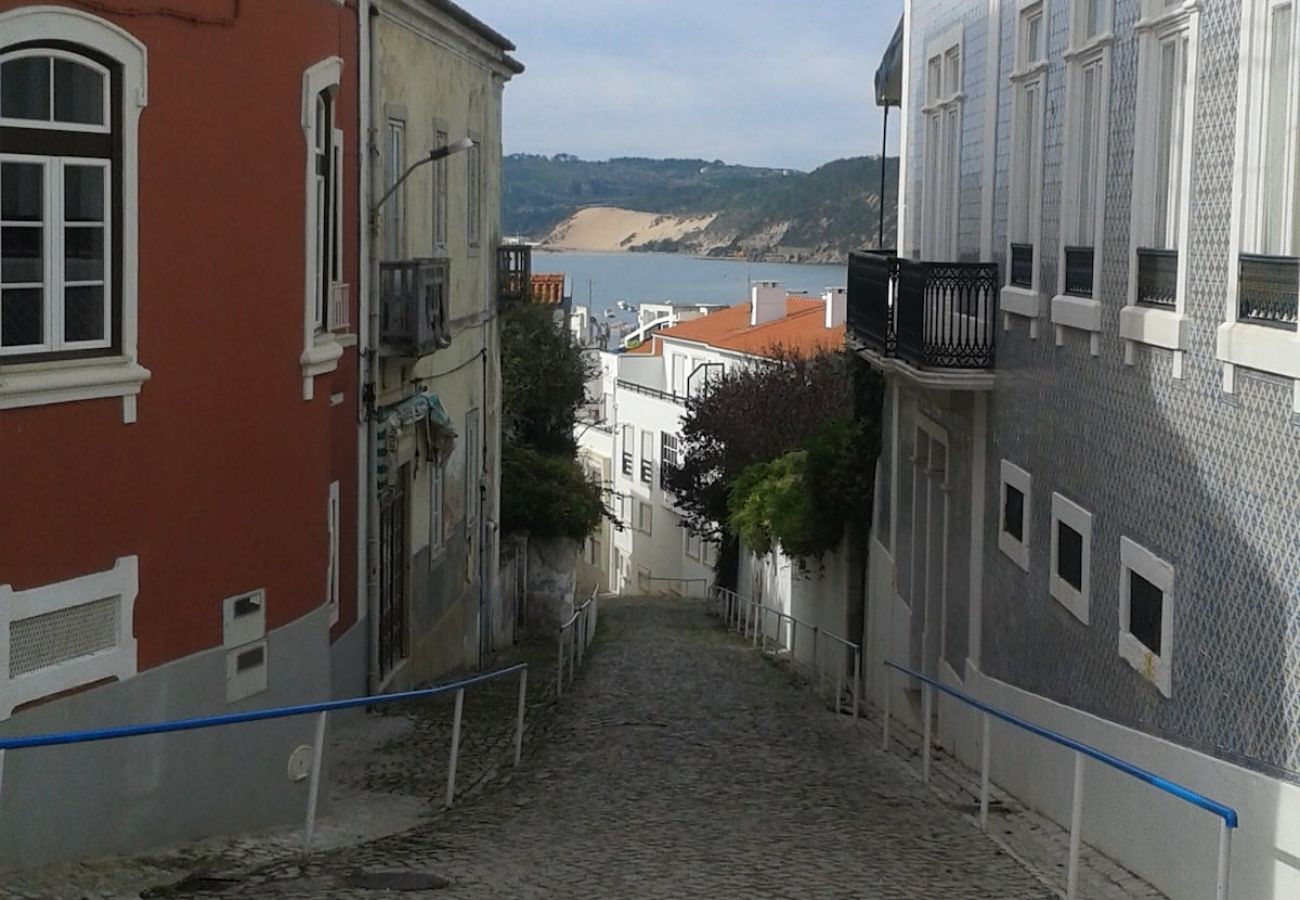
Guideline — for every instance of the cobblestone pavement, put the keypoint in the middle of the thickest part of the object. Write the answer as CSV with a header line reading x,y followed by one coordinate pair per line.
x,y
679,765
683,766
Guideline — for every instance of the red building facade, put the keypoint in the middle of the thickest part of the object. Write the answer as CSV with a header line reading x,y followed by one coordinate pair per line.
x,y
179,232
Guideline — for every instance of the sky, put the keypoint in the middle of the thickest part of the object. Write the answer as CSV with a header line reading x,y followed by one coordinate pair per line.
x,y
781,83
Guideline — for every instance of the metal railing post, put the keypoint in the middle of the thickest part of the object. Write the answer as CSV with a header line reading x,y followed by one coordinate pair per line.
x,y
984,773
455,747
857,680
839,678
794,635
519,717
884,728
758,622
927,703
1076,829
1225,853
313,789
817,672
581,628
573,653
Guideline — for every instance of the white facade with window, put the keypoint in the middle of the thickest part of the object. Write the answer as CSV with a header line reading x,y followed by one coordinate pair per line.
x,y
943,118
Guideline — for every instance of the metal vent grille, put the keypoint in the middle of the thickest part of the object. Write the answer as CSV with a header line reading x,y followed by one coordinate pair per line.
x,y
54,638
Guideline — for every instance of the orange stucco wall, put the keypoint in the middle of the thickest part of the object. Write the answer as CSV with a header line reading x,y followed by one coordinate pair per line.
x,y
221,485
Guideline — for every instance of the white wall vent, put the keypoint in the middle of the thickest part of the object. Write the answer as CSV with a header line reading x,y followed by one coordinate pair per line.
x,y
243,620
65,635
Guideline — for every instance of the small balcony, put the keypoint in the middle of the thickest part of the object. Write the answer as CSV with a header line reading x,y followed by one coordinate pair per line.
x,y
939,319
1157,278
1022,265
413,318
1267,290
514,275
1078,271
340,306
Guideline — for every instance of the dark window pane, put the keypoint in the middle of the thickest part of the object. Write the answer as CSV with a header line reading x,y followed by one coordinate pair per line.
x,y
78,93
22,189
83,253
22,317
1013,513
1145,611
83,314
1069,555
25,88
83,194
21,255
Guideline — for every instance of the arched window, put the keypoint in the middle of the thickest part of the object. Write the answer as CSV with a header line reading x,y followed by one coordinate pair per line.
x,y
60,202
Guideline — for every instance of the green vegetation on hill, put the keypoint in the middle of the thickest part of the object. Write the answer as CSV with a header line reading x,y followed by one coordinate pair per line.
x,y
819,215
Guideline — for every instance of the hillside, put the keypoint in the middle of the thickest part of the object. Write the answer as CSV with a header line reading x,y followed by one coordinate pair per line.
x,y
697,206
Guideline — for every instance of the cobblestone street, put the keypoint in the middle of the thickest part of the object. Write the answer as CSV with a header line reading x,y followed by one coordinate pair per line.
x,y
683,766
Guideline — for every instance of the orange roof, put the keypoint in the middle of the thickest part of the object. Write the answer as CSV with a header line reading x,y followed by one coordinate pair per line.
x,y
647,347
548,290
803,329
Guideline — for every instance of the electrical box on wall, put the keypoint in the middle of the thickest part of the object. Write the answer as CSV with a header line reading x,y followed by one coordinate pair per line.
x,y
244,637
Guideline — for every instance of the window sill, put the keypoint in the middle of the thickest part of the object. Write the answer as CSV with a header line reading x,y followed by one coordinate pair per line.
x,y
1014,549
1151,667
1261,348
320,358
1157,327
70,381
1079,313
1073,600
1020,301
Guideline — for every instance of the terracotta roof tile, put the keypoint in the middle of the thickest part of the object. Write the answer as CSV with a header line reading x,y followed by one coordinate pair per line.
x,y
803,329
548,290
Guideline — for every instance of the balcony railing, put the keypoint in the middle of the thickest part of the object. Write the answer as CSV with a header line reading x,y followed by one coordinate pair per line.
x,y
514,274
650,392
1267,290
930,315
1157,281
340,295
873,286
413,305
1022,265
1078,271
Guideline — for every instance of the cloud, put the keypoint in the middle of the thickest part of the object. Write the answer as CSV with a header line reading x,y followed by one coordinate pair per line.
x,y
761,82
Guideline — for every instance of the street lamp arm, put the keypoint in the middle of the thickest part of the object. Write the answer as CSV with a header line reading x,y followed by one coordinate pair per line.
x,y
435,154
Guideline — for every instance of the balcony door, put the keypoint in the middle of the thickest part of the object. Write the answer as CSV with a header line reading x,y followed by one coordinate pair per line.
x,y
392,628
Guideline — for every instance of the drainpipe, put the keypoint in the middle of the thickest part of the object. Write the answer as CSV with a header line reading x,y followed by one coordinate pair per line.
x,y
370,336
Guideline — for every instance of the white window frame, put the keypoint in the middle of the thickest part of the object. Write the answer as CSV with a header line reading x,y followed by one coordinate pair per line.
x,y
437,489
1018,478
122,581
441,137
1087,53
394,167
1076,600
333,522
1142,324
942,115
474,193
694,547
1156,669
1242,343
1027,139
679,374
645,518
121,375
647,456
321,348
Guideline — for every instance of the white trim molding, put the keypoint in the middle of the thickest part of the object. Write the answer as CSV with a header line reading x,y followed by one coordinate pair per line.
x,y
1079,520
96,642
321,350
942,118
40,383
1016,549
1159,29
1156,668
1028,81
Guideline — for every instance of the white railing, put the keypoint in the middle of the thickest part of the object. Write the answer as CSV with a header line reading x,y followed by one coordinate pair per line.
x,y
750,618
574,637
340,307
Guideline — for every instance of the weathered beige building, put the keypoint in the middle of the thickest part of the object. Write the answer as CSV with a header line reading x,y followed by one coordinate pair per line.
x,y
436,78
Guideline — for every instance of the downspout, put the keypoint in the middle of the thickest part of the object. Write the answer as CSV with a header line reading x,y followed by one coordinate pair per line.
x,y
370,339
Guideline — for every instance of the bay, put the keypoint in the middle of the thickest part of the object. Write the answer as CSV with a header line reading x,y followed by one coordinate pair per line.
x,y
636,278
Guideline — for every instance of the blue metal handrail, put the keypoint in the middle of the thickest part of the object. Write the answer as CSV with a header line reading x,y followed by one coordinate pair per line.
x,y
279,712
1227,813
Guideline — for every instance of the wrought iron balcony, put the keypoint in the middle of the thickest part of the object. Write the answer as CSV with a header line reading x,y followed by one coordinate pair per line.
x,y
514,274
1267,290
1078,271
1157,281
413,318
1022,265
931,315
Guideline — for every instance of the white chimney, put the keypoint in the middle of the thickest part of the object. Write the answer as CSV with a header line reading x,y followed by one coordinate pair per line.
x,y
836,300
767,302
